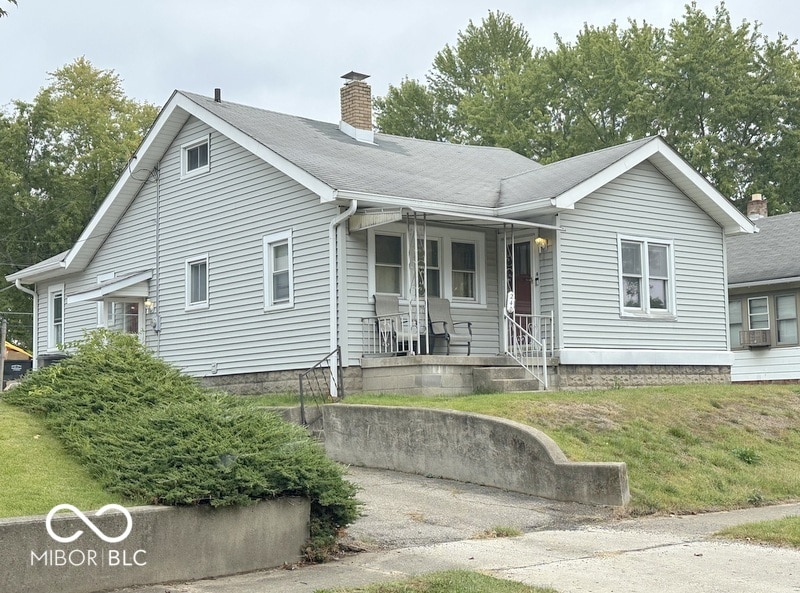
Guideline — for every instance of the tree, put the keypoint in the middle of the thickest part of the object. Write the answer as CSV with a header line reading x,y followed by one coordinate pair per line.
x,y
59,157
727,98
5,12
410,110
463,71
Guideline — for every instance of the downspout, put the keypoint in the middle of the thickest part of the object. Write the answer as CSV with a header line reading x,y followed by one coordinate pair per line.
x,y
334,277
19,286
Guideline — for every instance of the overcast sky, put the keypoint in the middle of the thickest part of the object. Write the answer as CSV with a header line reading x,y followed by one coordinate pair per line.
x,y
288,56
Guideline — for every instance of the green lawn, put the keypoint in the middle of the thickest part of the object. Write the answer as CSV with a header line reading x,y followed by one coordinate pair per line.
x,y
781,532
36,473
688,448
452,581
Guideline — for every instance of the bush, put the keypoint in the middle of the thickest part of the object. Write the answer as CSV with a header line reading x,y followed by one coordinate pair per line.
x,y
151,434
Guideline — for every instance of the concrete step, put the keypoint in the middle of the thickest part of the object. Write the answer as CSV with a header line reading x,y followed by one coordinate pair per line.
x,y
506,379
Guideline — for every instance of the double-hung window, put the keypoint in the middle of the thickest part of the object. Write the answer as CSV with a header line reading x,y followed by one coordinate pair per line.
x,y
55,326
646,277
786,319
195,157
278,271
735,322
389,264
197,283
434,267
464,270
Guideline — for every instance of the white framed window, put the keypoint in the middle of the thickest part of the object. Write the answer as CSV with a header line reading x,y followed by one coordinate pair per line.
x,y
786,319
197,283
455,263
646,280
434,267
463,270
758,312
278,271
388,252
124,315
195,157
735,322
55,316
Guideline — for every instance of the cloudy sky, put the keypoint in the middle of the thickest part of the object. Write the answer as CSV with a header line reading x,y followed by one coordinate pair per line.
x,y
288,56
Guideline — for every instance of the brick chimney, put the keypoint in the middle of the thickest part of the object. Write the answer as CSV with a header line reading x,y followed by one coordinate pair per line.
x,y
356,98
757,207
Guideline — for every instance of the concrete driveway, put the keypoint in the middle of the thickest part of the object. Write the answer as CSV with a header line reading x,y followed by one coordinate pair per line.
x,y
414,525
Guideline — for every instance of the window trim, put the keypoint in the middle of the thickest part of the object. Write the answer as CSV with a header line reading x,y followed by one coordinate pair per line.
x,y
52,292
107,303
185,148
189,304
670,313
750,315
778,320
269,242
445,237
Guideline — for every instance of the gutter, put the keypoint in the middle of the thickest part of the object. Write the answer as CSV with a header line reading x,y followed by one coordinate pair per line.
x,y
334,277
18,284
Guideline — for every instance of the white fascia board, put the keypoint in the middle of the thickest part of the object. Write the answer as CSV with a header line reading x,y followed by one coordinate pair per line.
x,y
645,357
303,177
114,286
671,164
764,283
128,184
569,198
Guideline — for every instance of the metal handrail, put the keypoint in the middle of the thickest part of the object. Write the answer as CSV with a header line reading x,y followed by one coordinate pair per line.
x,y
321,384
528,351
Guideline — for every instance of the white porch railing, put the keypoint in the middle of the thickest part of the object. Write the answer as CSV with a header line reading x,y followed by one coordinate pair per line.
x,y
539,326
526,348
390,335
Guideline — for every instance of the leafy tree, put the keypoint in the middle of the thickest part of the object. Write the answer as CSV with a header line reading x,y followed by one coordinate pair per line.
x,y
5,12
410,110
459,72
727,98
59,157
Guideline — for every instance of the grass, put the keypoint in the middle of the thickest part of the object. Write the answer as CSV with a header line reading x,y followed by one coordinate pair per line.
x,y
688,448
780,532
452,581
36,473
498,531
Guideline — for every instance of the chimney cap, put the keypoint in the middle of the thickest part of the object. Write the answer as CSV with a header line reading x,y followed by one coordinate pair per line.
x,y
354,76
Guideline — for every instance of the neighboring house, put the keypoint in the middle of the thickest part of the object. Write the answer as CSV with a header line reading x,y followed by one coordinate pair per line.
x,y
272,233
763,289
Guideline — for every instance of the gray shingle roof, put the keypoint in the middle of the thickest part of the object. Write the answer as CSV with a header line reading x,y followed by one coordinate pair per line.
x,y
770,254
393,166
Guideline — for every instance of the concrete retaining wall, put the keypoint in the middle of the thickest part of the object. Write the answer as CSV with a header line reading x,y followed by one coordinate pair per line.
x,y
469,448
165,544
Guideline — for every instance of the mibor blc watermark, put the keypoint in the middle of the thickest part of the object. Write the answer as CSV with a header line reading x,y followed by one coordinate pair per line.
x,y
89,556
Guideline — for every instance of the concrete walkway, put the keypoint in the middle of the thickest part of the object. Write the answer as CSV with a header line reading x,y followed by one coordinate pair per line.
x,y
415,525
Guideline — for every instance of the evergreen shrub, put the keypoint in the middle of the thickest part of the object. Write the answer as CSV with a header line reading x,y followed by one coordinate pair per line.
x,y
151,434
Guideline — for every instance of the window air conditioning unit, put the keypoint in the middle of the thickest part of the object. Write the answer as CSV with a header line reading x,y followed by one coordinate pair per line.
x,y
755,338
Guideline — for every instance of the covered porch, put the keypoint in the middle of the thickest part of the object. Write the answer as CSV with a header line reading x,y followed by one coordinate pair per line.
x,y
450,293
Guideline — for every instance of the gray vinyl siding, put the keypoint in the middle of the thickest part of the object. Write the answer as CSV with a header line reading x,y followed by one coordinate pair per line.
x,y
766,364
485,318
641,203
225,213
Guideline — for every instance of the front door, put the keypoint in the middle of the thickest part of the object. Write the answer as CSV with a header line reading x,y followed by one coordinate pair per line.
x,y
523,281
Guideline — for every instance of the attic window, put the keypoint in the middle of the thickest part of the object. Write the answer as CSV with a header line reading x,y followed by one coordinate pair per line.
x,y
194,157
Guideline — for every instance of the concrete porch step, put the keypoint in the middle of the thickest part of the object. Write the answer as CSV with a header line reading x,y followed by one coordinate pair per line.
x,y
505,379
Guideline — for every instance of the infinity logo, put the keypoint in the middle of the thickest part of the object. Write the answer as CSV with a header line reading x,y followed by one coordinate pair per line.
x,y
89,524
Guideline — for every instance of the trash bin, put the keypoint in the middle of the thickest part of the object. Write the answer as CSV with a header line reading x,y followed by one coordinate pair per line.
x,y
14,369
